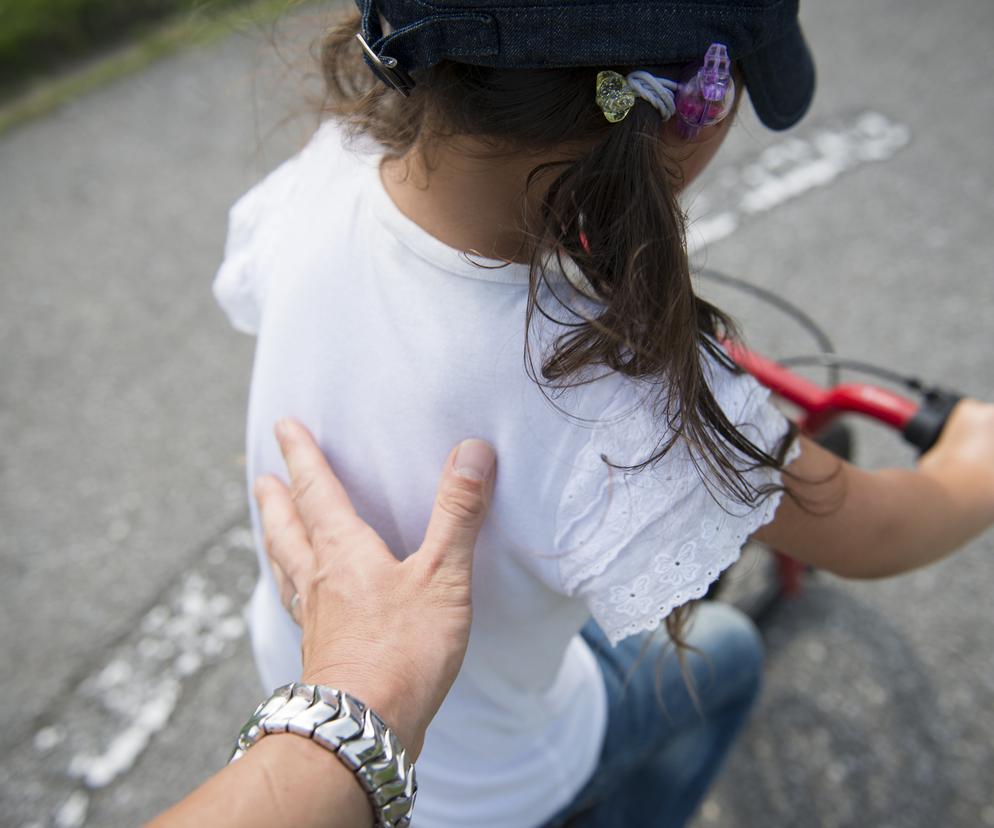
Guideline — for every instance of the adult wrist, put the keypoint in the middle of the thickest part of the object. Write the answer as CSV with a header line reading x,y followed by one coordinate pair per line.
x,y
309,782
395,704
349,728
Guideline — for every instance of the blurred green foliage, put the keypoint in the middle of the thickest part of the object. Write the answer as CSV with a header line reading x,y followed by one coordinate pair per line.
x,y
39,35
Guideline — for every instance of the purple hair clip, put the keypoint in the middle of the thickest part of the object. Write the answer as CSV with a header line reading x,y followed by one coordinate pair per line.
x,y
706,97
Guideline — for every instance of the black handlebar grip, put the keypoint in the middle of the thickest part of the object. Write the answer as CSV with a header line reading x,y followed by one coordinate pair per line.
x,y
924,428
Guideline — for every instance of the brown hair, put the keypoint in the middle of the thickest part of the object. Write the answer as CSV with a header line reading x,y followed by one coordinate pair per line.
x,y
618,181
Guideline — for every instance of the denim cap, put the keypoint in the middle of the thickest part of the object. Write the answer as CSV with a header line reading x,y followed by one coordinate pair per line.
x,y
762,36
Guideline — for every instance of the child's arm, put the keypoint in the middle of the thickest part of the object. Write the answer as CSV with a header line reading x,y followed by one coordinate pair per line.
x,y
862,524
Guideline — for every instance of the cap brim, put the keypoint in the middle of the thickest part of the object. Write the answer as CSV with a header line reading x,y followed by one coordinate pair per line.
x,y
780,78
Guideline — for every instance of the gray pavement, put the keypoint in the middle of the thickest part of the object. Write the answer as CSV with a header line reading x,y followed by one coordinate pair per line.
x,y
122,394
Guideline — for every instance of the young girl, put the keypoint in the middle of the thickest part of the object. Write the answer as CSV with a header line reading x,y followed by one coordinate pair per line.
x,y
485,240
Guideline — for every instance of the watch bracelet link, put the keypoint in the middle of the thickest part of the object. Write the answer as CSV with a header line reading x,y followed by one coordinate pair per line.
x,y
344,725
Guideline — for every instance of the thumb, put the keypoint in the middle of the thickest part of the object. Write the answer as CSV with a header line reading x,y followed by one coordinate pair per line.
x,y
461,505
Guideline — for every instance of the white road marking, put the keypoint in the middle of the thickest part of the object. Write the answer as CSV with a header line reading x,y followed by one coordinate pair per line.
x,y
72,814
113,715
787,170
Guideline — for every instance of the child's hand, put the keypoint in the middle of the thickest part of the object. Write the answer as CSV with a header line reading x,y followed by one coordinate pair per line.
x,y
963,458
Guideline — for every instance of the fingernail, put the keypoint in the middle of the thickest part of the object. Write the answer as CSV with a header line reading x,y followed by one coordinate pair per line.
x,y
474,460
282,429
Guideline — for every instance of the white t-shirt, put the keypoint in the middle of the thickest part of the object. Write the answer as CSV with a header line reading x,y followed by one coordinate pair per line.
x,y
392,347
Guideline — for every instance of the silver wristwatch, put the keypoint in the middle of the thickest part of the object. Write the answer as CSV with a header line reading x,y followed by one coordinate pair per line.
x,y
344,725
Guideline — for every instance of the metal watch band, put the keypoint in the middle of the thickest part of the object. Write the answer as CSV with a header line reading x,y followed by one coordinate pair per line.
x,y
341,723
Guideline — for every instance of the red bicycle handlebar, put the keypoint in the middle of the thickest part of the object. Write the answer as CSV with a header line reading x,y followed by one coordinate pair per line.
x,y
822,405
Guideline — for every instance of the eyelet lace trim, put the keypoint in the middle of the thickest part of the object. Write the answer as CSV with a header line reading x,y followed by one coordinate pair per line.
x,y
639,544
648,598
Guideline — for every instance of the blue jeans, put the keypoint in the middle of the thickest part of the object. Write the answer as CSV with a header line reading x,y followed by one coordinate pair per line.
x,y
662,750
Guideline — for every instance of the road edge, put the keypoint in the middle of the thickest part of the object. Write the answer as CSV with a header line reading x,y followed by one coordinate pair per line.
x,y
176,35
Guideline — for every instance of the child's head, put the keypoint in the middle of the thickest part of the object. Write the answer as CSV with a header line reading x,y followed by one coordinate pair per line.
x,y
401,39
521,80
521,77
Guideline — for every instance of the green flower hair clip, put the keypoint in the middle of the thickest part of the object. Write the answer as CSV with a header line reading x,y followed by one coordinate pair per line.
x,y
614,95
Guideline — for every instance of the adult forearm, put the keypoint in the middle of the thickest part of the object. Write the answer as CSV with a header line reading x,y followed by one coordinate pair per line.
x,y
283,780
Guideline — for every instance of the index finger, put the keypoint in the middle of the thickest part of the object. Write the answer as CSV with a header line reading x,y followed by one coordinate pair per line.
x,y
318,495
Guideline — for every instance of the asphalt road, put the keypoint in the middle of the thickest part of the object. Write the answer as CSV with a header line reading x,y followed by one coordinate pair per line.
x,y
125,561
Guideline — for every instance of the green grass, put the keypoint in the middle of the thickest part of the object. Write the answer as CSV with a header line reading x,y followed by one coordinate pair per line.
x,y
202,22
37,36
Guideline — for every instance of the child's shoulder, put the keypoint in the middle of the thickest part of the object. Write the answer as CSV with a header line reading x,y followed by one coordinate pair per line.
x,y
635,413
302,193
324,164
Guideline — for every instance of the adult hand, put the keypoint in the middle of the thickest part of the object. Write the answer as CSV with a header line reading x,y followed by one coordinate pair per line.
x,y
393,633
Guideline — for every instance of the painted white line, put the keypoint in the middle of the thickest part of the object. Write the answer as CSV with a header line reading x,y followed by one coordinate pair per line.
x,y
72,814
787,170
113,715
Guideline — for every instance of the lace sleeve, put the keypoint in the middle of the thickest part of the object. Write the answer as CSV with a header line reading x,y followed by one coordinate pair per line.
x,y
636,545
